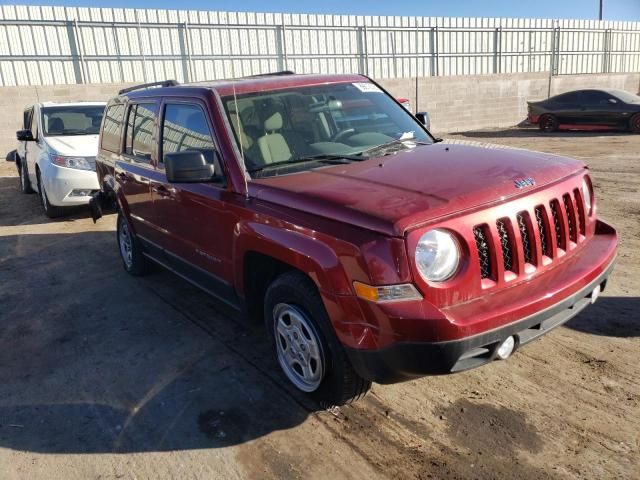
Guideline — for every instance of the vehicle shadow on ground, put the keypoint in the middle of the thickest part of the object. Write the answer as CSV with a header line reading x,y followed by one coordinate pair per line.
x,y
26,209
93,360
526,132
610,317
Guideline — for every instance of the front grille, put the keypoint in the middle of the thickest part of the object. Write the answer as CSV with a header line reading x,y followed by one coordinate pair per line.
x,y
527,241
505,242
484,253
540,233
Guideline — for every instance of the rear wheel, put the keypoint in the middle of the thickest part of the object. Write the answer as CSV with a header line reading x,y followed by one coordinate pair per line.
x,y
548,123
634,123
51,211
133,260
307,349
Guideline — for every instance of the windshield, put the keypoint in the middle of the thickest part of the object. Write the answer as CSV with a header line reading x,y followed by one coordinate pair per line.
x,y
297,129
72,120
626,97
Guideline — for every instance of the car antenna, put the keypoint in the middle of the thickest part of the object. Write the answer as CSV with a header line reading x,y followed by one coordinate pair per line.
x,y
238,133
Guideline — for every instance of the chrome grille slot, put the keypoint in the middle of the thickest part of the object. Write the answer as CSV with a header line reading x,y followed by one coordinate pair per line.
x,y
544,233
528,247
557,224
506,242
580,205
481,235
571,217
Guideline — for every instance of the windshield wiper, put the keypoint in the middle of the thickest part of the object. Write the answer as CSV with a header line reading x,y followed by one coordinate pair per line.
x,y
382,148
322,157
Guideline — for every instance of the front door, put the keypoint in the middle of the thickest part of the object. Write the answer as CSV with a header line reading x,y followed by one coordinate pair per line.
x,y
195,218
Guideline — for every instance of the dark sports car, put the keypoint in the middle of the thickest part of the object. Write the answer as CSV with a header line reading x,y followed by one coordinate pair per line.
x,y
587,110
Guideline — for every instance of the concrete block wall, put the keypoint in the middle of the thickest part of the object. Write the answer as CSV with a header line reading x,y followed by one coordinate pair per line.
x,y
455,103
460,103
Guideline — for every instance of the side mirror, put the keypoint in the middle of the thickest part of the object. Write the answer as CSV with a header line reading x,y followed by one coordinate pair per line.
x,y
24,136
423,118
11,156
189,166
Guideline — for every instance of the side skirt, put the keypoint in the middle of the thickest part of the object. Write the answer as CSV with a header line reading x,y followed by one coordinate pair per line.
x,y
209,283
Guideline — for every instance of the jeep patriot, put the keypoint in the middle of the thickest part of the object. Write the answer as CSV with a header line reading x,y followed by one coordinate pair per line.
x,y
372,251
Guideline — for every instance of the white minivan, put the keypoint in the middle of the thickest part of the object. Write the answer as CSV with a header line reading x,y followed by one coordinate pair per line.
x,y
56,153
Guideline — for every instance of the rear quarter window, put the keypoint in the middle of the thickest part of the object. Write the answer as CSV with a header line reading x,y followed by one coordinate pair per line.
x,y
112,128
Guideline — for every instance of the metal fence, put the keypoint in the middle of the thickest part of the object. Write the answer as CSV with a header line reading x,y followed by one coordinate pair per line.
x,y
62,45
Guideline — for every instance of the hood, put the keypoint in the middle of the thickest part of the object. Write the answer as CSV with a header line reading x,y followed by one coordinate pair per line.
x,y
396,193
74,145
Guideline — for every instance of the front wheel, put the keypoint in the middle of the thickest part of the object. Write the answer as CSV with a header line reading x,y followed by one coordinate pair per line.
x,y
634,123
548,123
51,211
25,183
307,349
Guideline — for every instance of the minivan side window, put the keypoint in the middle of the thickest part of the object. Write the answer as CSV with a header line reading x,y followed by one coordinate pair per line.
x,y
112,128
139,138
185,127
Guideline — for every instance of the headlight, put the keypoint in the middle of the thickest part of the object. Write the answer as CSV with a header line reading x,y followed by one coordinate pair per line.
x,y
80,163
437,255
586,194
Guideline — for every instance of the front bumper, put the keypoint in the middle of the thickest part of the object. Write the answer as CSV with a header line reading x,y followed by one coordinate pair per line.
x,y
406,360
59,182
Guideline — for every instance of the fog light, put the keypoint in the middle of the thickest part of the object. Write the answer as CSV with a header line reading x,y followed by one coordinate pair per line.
x,y
506,348
595,294
80,193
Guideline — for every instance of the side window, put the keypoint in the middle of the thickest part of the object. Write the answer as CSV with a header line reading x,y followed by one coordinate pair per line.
x,y
139,138
569,98
185,127
112,128
594,98
33,124
27,116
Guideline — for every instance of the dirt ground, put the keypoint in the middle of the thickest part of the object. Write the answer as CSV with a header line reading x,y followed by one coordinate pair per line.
x,y
107,376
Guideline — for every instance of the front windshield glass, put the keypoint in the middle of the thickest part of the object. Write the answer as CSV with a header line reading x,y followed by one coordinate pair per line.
x,y
626,97
72,120
297,129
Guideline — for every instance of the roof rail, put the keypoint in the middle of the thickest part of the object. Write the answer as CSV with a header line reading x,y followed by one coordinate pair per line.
x,y
272,74
164,83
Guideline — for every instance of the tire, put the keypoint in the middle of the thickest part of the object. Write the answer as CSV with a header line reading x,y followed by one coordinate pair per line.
x,y
294,312
133,260
25,183
51,211
634,123
548,123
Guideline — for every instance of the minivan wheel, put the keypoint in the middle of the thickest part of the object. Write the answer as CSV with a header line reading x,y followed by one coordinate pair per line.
x,y
548,123
51,211
307,349
634,123
25,184
130,250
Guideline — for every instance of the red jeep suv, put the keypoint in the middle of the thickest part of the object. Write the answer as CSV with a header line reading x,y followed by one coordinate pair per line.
x,y
372,250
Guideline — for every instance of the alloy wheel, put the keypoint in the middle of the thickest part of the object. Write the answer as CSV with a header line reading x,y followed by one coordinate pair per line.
x,y
126,244
299,348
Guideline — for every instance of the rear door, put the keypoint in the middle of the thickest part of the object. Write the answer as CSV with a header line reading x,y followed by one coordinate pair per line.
x,y
134,167
195,219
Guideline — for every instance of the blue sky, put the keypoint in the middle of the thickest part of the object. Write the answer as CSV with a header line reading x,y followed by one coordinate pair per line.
x,y
587,9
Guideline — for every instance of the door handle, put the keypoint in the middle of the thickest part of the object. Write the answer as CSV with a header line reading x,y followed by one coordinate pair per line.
x,y
121,176
163,191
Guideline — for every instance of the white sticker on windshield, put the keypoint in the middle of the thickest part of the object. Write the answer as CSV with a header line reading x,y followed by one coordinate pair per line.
x,y
366,87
